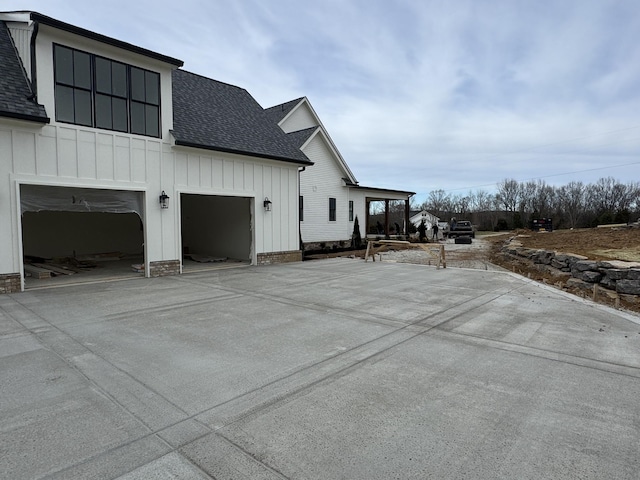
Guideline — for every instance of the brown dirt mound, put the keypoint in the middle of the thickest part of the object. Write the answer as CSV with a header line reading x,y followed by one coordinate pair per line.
x,y
613,243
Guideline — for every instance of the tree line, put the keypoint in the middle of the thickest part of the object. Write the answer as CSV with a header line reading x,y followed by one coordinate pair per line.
x,y
515,204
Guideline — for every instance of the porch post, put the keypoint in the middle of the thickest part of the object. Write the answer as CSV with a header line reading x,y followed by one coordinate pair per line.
x,y
406,217
367,204
386,218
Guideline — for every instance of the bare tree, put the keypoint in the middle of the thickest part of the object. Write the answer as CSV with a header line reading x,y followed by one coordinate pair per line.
x,y
485,206
571,201
509,196
544,199
601,196
461,205
438,202
573,205
528,192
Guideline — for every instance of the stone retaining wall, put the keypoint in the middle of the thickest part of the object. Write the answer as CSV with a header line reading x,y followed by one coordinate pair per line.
x,y
578,271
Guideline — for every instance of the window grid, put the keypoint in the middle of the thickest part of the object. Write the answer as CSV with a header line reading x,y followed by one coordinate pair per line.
x,y
98,92
332,209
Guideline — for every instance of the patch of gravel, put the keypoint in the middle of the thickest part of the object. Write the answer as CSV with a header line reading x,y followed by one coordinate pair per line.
x,y
475,255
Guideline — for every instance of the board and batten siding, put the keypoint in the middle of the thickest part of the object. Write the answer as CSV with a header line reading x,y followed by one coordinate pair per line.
x,y
70,156
236,176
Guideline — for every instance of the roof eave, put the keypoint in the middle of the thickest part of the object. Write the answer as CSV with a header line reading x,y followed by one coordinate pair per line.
x,y
375,189
26,117
265,156
52,22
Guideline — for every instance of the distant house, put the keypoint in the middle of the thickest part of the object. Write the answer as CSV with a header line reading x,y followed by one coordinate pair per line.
x,y
429,219
107,146
330,196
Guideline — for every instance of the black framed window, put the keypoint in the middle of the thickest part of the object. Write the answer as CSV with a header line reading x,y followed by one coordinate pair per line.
x,y
145,100
332,209
351,210
301,207
98,92
73,87
111,95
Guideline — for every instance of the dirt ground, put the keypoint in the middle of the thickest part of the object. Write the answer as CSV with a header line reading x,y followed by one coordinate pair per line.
x,y
610,243
604,243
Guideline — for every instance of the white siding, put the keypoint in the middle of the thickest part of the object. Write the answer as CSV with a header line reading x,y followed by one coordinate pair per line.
x,y
232,175
9,253
317,184
299,119
76,157
359,210
22,40
73,157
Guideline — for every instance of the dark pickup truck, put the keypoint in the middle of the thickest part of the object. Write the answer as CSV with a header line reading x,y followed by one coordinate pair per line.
x,y
461,228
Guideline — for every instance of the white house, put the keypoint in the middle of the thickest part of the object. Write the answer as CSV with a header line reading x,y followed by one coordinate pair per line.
x,y
97,136
429,219
330,196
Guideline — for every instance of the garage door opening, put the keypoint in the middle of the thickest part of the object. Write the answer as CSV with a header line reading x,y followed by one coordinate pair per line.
x,y
216,231
72,235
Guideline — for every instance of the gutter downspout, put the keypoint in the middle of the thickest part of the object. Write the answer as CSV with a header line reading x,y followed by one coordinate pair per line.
x,y
300,170
34,74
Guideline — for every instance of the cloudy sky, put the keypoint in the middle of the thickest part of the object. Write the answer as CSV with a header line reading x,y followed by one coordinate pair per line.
x,y
418,95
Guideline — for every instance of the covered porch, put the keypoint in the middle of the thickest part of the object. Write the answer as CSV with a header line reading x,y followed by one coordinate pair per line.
x,y
387,214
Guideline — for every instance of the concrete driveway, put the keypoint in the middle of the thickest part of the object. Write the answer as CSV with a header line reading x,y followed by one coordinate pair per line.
x,y
333,369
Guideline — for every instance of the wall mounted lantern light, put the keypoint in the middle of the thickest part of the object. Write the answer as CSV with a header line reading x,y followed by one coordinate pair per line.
x,y
267,204
164,200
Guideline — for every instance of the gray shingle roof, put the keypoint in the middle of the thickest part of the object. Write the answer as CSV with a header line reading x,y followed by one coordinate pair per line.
x,y
278,112
301,136
218,116
16,97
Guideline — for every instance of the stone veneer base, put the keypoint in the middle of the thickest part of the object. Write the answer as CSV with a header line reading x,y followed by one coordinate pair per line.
x,y
10,283
279,257
164,268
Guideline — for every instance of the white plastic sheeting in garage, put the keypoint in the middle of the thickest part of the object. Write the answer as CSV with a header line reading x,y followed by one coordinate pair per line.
x,y
37,198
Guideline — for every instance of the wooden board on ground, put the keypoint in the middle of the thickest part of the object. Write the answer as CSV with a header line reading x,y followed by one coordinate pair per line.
x,y
55,268
37,272
101,257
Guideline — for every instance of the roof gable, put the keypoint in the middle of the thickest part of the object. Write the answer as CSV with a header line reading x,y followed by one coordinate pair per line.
x,y
417,216
290,109
16,97
278,112
218,116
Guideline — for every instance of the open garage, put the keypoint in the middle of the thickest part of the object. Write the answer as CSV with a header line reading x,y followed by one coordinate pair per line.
x,y
80,232
216,230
